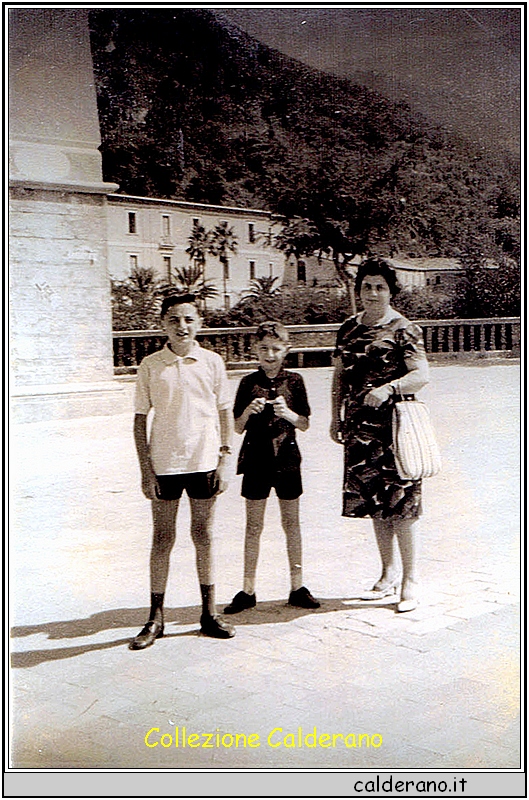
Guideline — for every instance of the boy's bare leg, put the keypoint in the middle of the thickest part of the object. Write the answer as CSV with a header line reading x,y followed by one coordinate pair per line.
x,y
163,539
255,511
290,521
299,594
202,535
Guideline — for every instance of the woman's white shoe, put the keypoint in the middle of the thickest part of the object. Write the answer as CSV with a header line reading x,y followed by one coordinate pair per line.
x,y
383,591
408,599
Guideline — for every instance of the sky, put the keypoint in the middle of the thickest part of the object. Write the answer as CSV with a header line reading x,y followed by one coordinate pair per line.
x,y
460,66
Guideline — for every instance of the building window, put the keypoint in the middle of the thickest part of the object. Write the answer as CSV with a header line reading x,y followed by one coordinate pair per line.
x,y
438,279
166,225
252,270
132,222
133,263
427,281
302,272
251,232
167,267
227,302
196,221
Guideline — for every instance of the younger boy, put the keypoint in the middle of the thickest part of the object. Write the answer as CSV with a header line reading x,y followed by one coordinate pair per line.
x,y
270,404
191,432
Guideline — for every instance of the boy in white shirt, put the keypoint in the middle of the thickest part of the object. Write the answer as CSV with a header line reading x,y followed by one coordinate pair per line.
x,y
190,440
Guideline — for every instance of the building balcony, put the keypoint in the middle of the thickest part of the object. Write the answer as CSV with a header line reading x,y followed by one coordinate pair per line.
x,y
166,244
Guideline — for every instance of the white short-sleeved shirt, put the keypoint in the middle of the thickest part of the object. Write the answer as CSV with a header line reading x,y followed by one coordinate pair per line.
x,y
186,394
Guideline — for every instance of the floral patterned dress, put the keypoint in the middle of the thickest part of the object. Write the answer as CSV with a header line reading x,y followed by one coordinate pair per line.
x,y
372,356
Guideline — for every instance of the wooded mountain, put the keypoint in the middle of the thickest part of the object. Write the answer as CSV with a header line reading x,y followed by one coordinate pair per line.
x,y
193,108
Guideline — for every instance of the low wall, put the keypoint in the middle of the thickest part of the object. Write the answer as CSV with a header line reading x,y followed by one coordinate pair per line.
x,y
312,345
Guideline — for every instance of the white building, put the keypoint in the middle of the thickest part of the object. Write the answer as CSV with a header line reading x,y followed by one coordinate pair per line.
x,y
146,232
412,273
417,273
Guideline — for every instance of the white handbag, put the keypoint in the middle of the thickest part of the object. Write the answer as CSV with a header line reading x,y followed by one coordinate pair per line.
x,y
414,444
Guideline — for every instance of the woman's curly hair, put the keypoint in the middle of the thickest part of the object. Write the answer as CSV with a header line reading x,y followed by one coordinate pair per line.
x,y
377,266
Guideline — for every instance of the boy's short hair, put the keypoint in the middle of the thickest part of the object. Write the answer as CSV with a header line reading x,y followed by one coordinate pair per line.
x,y
271,328
176,300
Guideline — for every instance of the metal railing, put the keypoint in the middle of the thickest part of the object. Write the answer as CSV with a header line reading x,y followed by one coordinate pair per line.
x,y
312,345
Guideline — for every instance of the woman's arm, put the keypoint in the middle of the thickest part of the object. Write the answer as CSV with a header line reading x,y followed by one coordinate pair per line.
x,y
416,378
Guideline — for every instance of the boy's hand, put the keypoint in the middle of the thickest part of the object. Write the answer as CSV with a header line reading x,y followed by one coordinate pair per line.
x,y
222,474
150,486
283,411
256,406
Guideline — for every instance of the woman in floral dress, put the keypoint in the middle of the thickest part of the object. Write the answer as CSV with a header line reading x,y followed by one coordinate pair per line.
x,y
379,357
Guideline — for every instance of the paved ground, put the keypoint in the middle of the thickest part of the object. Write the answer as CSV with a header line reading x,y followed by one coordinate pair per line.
x,y
439,685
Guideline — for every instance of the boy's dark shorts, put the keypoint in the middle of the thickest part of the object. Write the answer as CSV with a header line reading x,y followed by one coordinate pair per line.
x,y
198,485
256,485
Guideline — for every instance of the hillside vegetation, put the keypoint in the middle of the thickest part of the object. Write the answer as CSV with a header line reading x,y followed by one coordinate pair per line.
x,y
193,108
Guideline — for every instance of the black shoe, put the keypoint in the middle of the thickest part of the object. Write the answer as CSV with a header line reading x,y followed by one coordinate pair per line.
x,y
302,598
153,630
241,602
215,627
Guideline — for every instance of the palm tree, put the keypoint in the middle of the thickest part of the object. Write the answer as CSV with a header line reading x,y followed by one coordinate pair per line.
x,y
262,289
262,300
199,245
223,241
190,280
135,301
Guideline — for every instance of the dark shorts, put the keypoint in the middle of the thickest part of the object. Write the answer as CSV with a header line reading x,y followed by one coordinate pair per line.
x,y
256,485
198,485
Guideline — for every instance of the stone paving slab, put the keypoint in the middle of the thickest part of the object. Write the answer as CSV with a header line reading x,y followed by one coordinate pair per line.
x,y
439,684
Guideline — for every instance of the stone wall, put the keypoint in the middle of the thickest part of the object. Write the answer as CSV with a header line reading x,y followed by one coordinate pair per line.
x,y
60,314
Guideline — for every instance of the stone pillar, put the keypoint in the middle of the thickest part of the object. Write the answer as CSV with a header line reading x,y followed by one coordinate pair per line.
x,y
60,290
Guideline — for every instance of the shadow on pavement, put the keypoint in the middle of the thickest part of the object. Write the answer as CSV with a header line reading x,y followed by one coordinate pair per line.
x,y
268,612
32,658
